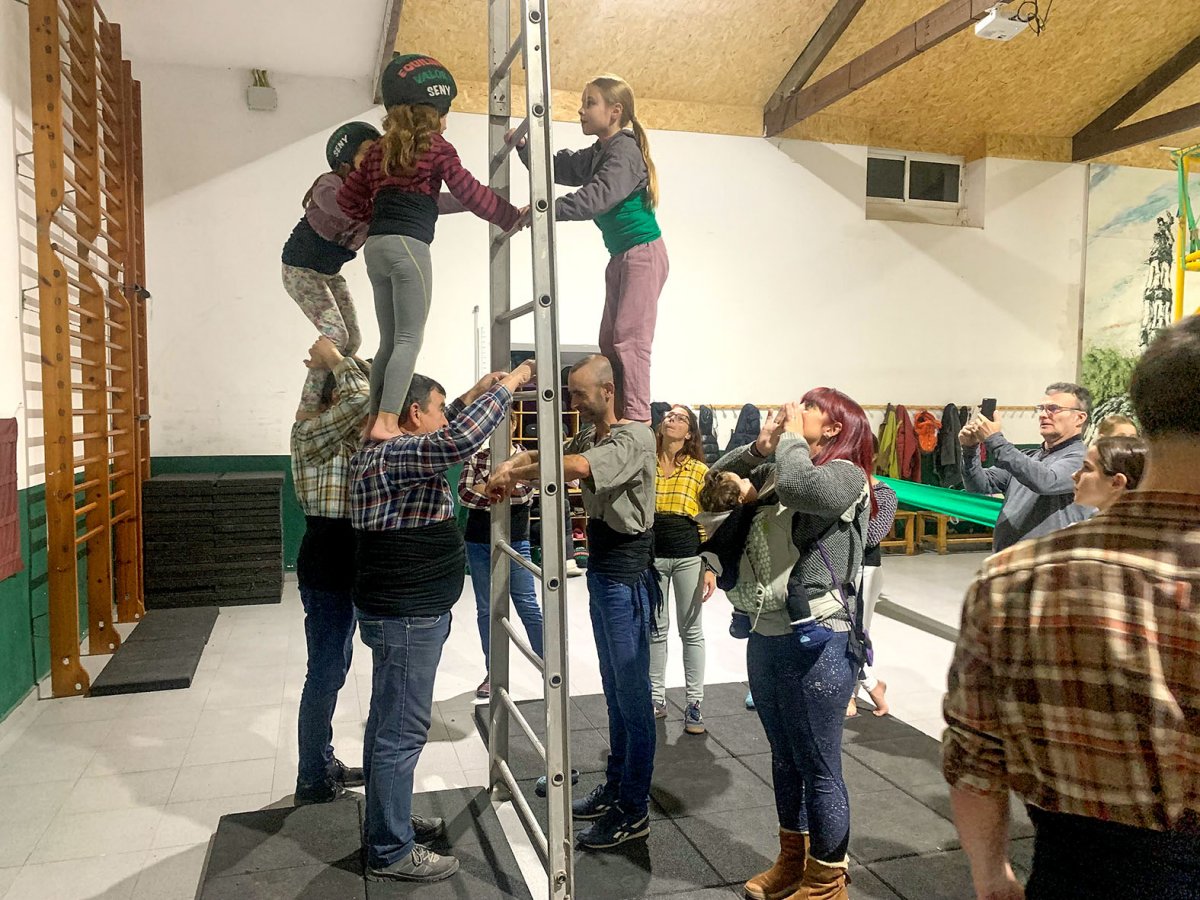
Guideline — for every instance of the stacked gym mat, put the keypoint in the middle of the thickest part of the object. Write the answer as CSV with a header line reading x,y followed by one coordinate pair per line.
x,y
213,539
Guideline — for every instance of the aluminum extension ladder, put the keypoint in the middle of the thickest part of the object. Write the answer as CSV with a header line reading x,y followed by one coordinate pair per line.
x,y
531,42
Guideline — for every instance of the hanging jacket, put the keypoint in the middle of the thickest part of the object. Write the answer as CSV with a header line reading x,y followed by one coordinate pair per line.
x,y
926,425
949,451
908,455
708,435
886,462
746,430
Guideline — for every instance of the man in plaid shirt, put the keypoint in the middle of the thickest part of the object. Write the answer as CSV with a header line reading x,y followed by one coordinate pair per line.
x,y
321,445
409,573
1076,679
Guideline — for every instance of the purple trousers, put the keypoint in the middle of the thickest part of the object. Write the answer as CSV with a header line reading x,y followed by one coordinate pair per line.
x,y
632,283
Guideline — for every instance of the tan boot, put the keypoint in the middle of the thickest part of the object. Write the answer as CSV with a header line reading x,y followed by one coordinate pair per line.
x,y
823,882
786,876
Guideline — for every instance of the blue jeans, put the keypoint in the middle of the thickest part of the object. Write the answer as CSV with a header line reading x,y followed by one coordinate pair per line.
x,y
405,652
801,699
521,589
329,632
621,625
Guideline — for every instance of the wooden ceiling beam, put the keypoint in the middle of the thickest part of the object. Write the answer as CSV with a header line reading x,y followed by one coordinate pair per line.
x,y
814,53
387,43
1089,146
1144,91
930,30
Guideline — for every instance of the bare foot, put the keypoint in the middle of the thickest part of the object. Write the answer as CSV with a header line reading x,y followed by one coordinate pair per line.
x,y
852,709
383,430
876,694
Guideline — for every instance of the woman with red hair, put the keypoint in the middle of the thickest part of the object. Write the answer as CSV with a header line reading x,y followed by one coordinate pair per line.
x,y
804,653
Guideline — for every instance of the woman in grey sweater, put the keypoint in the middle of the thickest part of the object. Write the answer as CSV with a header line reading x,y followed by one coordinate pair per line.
x,y
818,455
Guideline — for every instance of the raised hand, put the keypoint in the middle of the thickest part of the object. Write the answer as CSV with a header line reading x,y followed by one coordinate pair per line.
x,y
323,354
770,432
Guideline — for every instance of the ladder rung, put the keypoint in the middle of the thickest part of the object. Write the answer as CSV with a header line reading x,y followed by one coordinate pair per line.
x,y
524,810
505,64
523,645
516,312
519,717
526,395
515,554
510,145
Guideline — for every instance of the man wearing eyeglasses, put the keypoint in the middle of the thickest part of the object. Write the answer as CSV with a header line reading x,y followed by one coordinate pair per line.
x,y
1036,484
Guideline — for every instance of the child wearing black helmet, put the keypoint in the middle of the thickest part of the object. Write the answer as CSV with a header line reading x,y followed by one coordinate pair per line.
x,y
397,188
322,242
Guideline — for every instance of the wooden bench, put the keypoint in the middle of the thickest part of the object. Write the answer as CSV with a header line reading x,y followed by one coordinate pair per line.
x,y
941,539
908,541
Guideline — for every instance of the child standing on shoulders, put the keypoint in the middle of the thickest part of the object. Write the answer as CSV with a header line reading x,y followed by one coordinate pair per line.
x,y
322,242
397,188
618,189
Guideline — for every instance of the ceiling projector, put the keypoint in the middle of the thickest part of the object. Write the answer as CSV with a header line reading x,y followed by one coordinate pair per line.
x,y
998,25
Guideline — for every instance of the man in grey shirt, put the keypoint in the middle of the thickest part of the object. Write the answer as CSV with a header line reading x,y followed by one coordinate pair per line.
x,y
615,462
1036,484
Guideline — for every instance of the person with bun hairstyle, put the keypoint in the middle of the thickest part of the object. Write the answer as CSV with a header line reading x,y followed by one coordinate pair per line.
x,y
323,241
397,188
618,190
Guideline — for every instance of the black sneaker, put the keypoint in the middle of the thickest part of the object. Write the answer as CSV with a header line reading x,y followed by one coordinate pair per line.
x,y
427,829
615,827
595,804
422,865
346,776
322,792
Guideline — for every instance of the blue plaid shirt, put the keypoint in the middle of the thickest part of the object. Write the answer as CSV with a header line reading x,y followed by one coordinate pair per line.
x,y
401,482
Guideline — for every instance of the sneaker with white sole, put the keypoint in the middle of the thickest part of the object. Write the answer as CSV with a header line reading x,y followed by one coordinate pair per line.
x,y
660,709
422,866
596,804
615,827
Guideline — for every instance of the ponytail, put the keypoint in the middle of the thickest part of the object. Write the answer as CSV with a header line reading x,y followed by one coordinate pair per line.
x,y
614,90
643,142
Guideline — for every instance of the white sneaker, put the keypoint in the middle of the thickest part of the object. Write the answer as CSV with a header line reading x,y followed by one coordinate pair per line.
x,y
573,570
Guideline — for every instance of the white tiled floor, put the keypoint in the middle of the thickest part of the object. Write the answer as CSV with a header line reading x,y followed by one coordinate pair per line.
x,y
117,797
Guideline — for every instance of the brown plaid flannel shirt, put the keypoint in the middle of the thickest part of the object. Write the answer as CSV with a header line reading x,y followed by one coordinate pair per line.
x,y
1076,679
322,446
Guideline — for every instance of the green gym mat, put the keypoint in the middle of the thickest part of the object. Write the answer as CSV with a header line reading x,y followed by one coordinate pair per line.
x,y
978,508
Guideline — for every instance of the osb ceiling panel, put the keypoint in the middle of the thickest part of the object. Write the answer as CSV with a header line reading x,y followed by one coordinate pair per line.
x,y
701,51
1050,85
710,65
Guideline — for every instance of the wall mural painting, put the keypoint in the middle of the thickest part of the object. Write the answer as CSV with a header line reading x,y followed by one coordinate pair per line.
x,y
1130,277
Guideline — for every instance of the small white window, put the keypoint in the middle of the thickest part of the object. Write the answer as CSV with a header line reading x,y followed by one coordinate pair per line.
x,y
917,179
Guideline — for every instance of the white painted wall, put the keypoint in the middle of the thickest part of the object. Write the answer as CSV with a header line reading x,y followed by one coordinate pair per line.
x,y
778,281
14,139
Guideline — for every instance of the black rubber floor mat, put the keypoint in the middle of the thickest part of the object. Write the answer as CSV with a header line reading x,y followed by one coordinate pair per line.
x,y
315,852
713,791
149,666
192,625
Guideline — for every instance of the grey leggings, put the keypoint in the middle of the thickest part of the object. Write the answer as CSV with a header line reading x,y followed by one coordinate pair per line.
x,y
401,275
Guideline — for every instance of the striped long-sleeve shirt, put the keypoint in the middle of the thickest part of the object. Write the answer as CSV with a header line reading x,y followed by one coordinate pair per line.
x,y
409,204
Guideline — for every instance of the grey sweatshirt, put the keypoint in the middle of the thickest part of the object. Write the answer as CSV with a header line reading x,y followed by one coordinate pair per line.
x,y
818,496
609,172
1036,484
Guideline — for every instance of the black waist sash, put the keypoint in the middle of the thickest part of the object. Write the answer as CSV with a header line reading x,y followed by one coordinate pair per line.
x,y
675,536
410,571
621,557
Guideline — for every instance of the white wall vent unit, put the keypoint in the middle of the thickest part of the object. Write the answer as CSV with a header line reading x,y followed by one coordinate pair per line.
x,y
260,96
